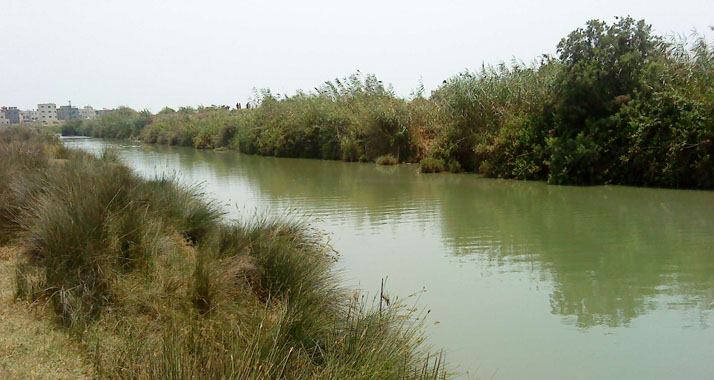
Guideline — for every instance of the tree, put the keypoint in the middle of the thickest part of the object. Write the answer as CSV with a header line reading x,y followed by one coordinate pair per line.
x,y
603,67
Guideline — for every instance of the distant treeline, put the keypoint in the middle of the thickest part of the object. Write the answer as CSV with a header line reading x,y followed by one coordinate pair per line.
x,y
617,104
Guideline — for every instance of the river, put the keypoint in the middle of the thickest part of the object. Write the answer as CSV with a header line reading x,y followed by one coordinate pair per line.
x,y
524,280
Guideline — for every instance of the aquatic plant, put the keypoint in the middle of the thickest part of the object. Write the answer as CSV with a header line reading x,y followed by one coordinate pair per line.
x,y
431,165
386,160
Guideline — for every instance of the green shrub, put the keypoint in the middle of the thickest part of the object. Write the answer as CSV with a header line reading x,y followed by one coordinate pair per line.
x,y
603,67
431,165
71,128
184,206
454,167
350,150
386,160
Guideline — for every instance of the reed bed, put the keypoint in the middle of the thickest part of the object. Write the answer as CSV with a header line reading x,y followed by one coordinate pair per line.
x,y
617,104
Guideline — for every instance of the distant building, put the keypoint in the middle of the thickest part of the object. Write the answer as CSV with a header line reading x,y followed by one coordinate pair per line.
x,y
47,113
87,113
3,119
65,113
12,114
29,116
103,111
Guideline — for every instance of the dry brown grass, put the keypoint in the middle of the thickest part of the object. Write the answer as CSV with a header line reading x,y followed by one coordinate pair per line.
x,y
31,347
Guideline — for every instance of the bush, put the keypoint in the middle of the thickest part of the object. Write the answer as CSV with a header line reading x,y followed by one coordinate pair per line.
x,y
603,67
71,128
386,160
454,167
431,165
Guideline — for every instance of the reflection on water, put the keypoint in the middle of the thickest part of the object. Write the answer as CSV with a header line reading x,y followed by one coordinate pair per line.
x,y
607,250
628,273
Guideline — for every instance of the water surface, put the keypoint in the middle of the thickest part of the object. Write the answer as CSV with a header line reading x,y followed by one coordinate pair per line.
x,y
524,280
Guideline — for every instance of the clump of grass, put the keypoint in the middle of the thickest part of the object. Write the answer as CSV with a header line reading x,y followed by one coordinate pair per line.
x,y
90,221
431,165
184,205
22,151
83,229
387,159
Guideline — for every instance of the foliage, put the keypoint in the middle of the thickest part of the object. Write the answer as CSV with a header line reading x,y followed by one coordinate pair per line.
x,y
603,68
474,108
454,167
431,165
617,104
122,123
387,159
71,128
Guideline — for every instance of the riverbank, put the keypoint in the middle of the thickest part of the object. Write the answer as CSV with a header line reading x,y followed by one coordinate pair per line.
x,y
118,259
617,105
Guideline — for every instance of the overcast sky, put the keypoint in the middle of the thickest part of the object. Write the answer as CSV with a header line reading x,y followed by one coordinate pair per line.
x,y
148,54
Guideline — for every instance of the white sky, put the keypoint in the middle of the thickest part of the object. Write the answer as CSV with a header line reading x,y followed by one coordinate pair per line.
x,y
148,53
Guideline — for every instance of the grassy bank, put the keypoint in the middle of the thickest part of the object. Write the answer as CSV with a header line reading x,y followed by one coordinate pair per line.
x,y
30,345
617,104
147,281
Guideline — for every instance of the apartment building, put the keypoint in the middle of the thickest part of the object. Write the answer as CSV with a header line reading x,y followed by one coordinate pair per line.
x,y
29,116
47,113
12,114
87,113
3,119
65,113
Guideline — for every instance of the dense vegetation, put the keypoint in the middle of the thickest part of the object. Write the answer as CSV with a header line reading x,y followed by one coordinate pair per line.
x,y
617,104
153,284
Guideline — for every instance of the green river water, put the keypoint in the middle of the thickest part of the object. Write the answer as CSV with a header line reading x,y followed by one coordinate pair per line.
x,y
524,280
